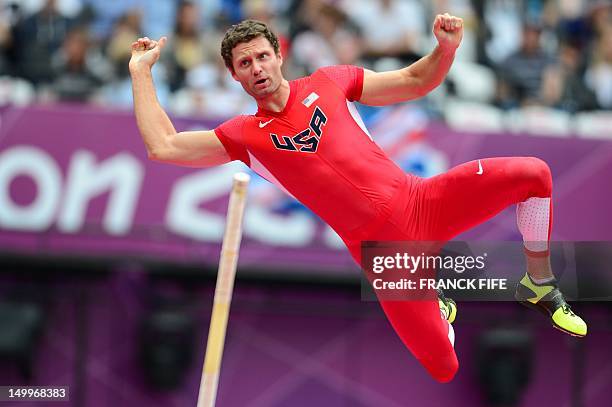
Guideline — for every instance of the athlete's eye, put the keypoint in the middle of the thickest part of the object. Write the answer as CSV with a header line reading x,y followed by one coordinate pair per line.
x,y
244,62
263,56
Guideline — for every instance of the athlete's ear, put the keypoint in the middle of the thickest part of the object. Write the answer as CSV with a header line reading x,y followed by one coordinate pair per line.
x,y
280,58
233,72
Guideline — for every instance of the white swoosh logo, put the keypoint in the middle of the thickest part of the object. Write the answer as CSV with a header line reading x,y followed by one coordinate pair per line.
x,y
262,125
479,172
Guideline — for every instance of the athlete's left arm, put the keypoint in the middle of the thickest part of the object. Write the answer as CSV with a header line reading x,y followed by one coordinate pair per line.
x,y
421,77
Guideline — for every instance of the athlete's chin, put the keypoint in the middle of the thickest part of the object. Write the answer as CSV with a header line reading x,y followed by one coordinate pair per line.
x,y
262,91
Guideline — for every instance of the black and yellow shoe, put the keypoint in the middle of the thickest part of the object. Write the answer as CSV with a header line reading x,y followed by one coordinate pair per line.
x,y
448,307
547,299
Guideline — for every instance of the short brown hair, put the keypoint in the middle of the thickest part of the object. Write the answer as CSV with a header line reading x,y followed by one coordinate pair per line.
x,y
245,31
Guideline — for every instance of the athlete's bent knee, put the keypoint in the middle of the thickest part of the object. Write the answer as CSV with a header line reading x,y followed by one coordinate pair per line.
x,y
539,175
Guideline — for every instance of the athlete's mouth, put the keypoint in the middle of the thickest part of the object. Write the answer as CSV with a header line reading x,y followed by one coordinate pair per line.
x,y
259,82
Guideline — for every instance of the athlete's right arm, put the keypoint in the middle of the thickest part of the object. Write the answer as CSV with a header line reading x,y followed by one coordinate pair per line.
x,y
163,143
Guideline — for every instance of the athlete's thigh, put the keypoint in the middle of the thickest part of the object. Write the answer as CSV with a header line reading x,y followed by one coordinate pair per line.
x,y
473,192
416,321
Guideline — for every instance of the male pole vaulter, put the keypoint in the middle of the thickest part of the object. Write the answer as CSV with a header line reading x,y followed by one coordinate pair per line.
x,y
307,138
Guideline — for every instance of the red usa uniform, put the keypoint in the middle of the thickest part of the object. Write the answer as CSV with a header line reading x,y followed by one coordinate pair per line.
x,y
319,150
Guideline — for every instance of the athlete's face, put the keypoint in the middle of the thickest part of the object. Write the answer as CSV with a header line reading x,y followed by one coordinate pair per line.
x,y
257,67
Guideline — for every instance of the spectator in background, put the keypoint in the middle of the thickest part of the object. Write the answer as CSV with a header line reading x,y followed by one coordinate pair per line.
x,y
563,86
68,8
481,32
78,70
9,15
159,16
186,50
230,11
327,32
299,14
118,91
211,91
218,13
261,10
209,10
599,17
521,73
331,41
599,74
390,28
36,39
503,22
572,23
117,48
106,12
205,86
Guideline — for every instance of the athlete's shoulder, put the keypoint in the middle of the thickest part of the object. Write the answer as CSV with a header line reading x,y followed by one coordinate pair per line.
x,y
349,78
337,71
233,127
238,119
334,73
299,84
241,119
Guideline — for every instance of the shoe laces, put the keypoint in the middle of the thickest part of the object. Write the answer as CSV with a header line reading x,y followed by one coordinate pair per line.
x,y
567,310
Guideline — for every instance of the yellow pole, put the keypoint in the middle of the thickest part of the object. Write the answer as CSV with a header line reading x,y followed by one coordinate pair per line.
x,y
223,292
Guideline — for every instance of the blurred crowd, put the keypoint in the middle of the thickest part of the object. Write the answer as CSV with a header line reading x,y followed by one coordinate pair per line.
x,y
553,53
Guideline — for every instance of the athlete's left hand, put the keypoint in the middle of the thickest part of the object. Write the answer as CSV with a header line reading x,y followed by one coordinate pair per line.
x,y
448,31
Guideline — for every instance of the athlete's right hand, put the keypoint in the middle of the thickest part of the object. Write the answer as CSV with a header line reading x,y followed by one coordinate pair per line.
x,y
145,52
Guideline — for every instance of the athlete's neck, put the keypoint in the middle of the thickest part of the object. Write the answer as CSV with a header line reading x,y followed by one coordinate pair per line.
x,y
276,102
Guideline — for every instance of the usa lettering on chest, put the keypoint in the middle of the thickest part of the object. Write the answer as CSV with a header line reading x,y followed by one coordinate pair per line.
x,y
306,141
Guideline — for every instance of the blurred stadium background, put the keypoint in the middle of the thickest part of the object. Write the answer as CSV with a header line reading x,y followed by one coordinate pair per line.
x,y
108,260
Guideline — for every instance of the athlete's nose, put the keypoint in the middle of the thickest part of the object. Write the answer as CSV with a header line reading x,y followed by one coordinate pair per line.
x,y
256,69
